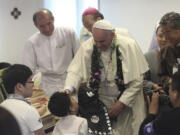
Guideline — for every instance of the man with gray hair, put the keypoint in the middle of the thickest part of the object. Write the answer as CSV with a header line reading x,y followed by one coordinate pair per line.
x,y
113,66
170,55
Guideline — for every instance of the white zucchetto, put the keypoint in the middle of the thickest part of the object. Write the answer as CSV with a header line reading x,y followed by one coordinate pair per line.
x,y
103,24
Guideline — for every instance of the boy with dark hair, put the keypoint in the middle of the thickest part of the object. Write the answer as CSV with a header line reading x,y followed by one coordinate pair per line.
x,y
63,105
17,80
168,122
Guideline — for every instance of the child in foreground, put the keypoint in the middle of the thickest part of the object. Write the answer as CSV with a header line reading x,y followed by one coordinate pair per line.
x,y
64,106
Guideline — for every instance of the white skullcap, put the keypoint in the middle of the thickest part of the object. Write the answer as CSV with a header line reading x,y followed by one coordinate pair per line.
x,y
103,24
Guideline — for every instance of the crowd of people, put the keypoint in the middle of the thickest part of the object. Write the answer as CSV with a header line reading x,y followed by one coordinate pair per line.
x,y
129,92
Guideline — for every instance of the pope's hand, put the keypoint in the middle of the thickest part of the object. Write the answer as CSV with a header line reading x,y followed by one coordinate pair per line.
x,y
115,109
65,91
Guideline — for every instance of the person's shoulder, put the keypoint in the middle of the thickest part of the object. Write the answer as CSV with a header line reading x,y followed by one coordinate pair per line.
x,y
35,36
80,119
125,40
64,29
123,32
88,44
152,52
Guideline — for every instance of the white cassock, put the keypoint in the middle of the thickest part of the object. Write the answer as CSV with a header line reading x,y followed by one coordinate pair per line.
x,y
133,66
51,55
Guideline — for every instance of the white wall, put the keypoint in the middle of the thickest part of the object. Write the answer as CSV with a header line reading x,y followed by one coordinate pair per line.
x,y
138,16
14,32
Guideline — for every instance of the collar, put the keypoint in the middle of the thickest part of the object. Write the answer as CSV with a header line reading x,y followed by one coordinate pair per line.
x,y
49,37
18,97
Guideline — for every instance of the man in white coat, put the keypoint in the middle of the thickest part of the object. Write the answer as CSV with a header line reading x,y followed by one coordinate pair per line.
x,y
50,51
114,66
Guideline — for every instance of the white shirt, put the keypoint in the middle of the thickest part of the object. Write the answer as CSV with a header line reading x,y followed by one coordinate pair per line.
x,y
71,125
26,115
51,55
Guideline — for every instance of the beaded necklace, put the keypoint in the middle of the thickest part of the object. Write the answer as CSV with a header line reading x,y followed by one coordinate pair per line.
x,y
96,66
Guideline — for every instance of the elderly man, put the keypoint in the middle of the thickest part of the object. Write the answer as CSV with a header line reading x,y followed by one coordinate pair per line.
x,y
50,51
89,17
113,66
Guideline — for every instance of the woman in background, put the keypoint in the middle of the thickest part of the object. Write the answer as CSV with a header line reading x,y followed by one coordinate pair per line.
x,y
152,78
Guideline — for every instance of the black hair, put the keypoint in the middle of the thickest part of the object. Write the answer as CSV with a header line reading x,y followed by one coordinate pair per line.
x,y
14,74
40,12
4,65
95,16
172,19
59,104
8,123
176,81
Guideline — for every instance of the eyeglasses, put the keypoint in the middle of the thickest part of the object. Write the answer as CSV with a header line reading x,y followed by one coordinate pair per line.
x,y
30,82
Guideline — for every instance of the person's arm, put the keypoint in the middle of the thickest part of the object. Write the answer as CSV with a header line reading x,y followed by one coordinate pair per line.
x,y
40,132
78,69
127,98
148,122
33,121
133,89
153,111
75,42
29,56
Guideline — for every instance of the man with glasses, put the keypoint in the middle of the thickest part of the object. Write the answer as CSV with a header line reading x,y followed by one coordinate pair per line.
x,y
17,80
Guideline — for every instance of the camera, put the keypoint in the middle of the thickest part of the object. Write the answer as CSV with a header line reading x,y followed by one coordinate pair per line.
x,y
163,98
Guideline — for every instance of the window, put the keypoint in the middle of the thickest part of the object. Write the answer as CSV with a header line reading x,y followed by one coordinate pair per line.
x,y
68,12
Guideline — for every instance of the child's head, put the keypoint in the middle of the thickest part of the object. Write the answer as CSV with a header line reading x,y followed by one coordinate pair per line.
x,y
62,104
17,79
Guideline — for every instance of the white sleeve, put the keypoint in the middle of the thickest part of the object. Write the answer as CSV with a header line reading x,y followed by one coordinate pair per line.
x,y
75,69
75,42
33,120
83,128
29,56
133,89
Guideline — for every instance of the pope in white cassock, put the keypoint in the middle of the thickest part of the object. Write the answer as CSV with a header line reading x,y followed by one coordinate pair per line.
x,y
50,51
106,51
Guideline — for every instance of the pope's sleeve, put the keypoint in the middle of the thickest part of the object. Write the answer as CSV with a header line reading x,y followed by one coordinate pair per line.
x,y
132,90
29,56
75,70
